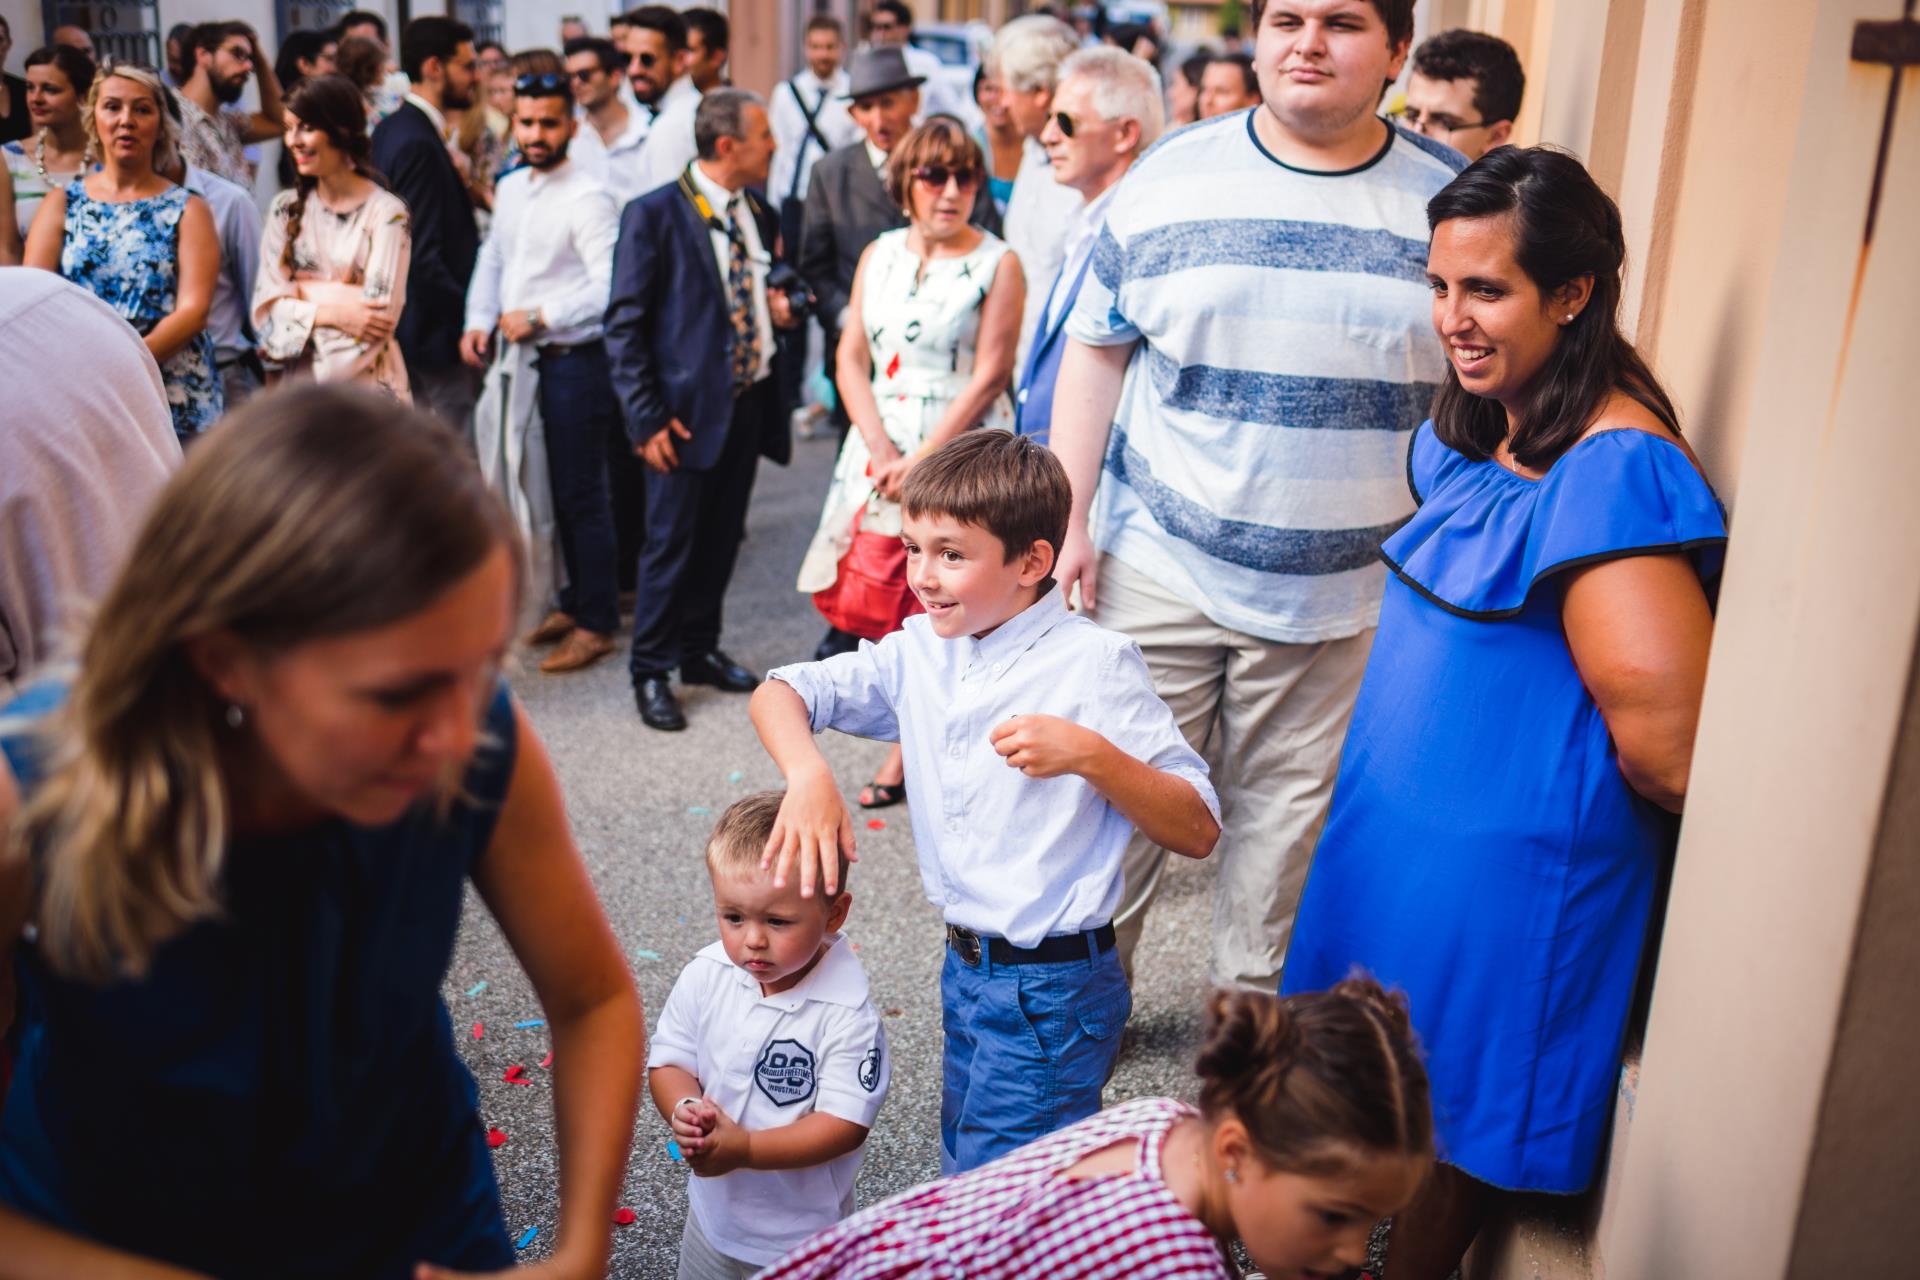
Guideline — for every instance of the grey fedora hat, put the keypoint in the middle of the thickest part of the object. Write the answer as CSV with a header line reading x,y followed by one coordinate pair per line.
x,y
880,70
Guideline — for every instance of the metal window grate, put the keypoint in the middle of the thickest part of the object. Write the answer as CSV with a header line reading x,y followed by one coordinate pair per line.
x,y
308,15
486,17
125,30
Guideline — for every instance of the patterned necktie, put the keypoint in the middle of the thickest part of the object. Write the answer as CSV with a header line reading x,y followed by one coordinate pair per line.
x,y
745,346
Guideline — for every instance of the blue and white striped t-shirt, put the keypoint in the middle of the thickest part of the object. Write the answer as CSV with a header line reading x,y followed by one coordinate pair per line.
x,y
1258,458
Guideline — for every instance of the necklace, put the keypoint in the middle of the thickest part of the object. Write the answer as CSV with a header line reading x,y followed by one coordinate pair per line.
x,y
40,155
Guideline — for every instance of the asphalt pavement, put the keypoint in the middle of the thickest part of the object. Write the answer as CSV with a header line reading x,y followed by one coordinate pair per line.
x,y
641,804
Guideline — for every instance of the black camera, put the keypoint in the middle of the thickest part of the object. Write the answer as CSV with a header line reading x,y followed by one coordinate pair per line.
x,y
786,279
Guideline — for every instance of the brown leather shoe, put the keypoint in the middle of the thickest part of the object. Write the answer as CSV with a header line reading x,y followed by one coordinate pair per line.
x,y
581,648
556,627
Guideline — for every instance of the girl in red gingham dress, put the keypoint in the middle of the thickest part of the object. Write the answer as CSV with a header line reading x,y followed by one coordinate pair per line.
x,y
1313,1125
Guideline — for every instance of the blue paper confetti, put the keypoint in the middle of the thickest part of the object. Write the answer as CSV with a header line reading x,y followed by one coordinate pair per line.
x,y
736,777
526,1237
476,988
699,810
644,954
529,1024
673,1150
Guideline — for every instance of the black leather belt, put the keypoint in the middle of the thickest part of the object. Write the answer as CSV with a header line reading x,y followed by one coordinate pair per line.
x,y
568,348
1054,950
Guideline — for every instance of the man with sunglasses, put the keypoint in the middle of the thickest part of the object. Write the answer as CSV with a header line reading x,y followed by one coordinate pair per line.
x,y
543,278
699,61
1465,91
612,132
1090,151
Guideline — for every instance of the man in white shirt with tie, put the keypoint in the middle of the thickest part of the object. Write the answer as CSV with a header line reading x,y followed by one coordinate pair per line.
x,y
613,128
543,277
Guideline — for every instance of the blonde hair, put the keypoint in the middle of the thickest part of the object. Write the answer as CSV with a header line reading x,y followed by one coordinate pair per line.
x,y
316,511
166,145
740,837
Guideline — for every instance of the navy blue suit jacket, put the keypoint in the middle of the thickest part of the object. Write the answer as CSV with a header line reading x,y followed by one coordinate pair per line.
x,y
668,328
445,238
1033,406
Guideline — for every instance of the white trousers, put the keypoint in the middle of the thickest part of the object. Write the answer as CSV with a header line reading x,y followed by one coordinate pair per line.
x,y
1270,719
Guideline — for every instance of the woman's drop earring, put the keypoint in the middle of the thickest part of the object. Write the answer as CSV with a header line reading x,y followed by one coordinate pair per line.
x,y
236,715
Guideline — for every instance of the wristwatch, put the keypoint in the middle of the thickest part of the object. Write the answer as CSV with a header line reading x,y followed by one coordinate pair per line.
x,y
534,320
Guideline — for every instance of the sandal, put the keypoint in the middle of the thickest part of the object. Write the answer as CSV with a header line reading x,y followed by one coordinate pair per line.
x,y
885,795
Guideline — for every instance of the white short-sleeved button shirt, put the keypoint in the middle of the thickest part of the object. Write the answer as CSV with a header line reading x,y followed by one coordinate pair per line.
x,y
767,1061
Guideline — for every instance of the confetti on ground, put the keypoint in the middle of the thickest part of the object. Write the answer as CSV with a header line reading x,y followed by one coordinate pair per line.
x,y
854,945
736,777
683,919
479,1029
673,1150
623,1217
876,824
698,810
476,988
496,1137
526,1237
893,1013
529,1024
548,1060
642,953
516,1074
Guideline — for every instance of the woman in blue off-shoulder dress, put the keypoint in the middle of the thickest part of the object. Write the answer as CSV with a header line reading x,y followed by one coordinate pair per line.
x,y
1507,796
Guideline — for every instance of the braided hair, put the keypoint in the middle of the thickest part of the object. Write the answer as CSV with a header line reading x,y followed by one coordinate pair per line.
x,y
1316,1075
333,105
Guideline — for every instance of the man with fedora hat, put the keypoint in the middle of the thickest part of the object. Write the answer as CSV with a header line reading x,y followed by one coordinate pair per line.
x,y
847,201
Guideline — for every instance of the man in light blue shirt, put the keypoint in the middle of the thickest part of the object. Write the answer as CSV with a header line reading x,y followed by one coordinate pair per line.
x,y
1034,745
1249,356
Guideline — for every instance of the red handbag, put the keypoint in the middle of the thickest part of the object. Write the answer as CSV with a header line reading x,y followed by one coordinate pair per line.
x,y
870,598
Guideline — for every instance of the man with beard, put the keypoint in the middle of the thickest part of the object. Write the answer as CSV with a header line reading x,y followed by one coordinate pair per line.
x,y
613,128
1263,274
543,277
215,133
410,148
656,40
702,63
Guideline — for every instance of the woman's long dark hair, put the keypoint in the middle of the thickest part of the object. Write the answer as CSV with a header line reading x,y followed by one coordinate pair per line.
x,y
333,105
1564,227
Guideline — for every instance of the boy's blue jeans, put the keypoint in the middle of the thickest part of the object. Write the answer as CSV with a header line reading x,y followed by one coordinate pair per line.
x,y
1029,1047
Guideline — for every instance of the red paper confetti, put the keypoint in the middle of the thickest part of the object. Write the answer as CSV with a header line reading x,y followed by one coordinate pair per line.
x,y
479,1029
496,1137
624,1217
876,824
893,366
516,1074
548,1060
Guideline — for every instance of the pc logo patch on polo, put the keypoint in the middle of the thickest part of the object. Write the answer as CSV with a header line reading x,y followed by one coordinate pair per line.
x,y
785,1072
870,1070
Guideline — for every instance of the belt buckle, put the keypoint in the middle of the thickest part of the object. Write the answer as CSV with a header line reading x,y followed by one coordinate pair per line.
x,y
967,943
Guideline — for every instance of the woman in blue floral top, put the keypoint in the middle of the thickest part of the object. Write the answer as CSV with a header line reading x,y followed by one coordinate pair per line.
x,y
137,241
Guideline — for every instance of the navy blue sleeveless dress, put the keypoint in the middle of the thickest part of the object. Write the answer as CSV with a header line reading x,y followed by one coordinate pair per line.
x,y
280,1095
1483,852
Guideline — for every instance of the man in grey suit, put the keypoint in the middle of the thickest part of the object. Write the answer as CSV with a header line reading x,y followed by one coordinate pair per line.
x,y
847,203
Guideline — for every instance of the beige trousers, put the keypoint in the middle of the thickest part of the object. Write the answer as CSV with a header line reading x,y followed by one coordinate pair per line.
x,y
1270,719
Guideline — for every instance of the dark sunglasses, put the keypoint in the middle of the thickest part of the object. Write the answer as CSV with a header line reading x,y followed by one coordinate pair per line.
x,y
1063,122
545,82
646,59
588,74
936,176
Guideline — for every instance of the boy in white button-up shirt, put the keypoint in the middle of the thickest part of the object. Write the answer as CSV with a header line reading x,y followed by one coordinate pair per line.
x,y
1034,745
769,1062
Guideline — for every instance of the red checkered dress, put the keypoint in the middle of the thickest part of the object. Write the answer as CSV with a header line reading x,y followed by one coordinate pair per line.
x,y
1017,1219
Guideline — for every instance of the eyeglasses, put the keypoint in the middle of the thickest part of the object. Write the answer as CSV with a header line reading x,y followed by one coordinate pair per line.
x,y
1064,123
545,82
883,24
587,74
1420,121
938,175
646,59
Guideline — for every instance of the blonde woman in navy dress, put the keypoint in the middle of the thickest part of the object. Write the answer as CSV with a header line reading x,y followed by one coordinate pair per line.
x,y
1507,797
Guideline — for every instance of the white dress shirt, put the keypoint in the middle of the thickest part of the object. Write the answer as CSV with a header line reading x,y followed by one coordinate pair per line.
x,y
939,95
237,222
759,260
1038,214
435,116
767,1061
797,150
1001,853
614,165
670,147
550,248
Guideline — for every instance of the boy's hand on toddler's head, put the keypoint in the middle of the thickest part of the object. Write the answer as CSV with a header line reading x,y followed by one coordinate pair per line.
x,y
722,1150
811,831
1045,746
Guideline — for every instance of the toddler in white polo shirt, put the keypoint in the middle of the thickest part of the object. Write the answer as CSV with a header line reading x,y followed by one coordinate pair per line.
x,y
769,1062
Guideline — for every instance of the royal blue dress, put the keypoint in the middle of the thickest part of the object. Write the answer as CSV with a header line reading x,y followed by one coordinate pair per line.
x,y
280,1095
1483,852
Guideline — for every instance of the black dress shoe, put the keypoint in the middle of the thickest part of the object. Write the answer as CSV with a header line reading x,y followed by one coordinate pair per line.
x,y
720,671
659,709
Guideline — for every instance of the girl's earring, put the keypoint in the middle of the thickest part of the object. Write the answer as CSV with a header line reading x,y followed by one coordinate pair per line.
x,y
1233,1174
236,715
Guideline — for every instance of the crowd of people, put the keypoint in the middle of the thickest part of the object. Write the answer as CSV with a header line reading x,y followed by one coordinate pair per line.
x,y
1225,469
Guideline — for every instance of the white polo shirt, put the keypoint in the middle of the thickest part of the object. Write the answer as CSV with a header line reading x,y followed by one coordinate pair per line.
x,y
768,1061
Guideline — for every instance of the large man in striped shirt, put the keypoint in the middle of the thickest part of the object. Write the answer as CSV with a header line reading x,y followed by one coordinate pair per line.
x,y
1249,356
